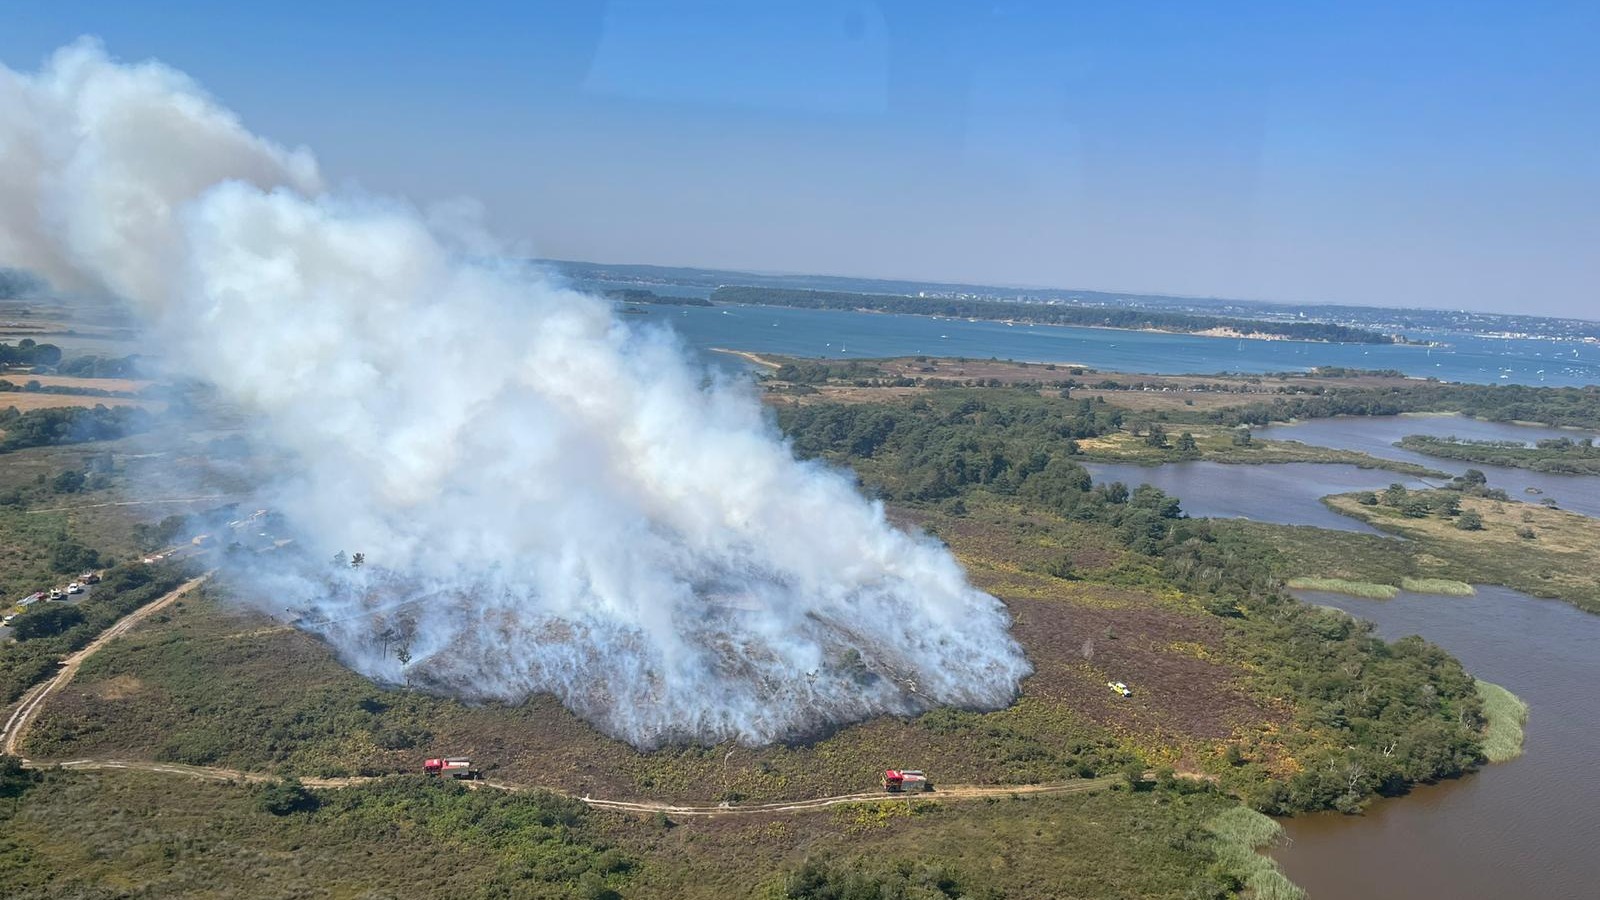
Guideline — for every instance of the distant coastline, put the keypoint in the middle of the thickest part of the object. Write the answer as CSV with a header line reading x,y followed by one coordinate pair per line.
x,y
1014,313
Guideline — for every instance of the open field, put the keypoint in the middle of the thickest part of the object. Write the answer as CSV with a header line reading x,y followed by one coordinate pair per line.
x,y
1168,400
35,518
121,385
26,400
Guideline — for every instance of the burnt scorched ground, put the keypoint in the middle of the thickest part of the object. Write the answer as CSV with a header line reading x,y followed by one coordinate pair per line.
x,y
210,684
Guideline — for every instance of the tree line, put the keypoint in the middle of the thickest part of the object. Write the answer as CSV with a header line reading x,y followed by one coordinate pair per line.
x,y
69,425
1044,314
28,352
1559,455
640,295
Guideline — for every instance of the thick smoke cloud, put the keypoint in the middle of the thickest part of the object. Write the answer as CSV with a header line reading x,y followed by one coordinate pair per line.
x,y
549,499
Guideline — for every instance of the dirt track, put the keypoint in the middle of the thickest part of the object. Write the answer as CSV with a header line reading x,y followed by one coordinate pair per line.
x,y
27,710
943,795
207,498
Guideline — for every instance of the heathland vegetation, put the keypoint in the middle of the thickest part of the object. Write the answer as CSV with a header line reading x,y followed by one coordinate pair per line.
x,y
1228,400
1487,540
1255,696
1367,732
206,682
67,833
46,634
1529,547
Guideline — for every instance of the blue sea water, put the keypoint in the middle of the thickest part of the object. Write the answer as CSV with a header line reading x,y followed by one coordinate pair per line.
x,y
834,334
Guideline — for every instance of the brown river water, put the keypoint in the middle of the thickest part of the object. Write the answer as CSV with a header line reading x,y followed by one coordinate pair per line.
x,y
1525,828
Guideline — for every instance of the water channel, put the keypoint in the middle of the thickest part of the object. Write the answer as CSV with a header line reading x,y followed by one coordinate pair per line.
x,y
1376,435
1525,828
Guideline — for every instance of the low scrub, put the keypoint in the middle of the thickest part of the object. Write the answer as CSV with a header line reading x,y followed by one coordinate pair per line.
x,y
32,658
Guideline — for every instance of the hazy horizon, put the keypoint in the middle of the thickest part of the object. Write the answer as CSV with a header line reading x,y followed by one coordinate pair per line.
x,y
1353,154
1061,288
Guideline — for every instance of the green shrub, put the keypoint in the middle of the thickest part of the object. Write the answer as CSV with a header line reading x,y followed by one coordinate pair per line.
x,y
285,796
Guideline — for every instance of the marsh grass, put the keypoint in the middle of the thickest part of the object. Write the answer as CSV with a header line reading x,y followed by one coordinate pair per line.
x,y
1555,562
1368,589
1444,586
1506,714
1241,833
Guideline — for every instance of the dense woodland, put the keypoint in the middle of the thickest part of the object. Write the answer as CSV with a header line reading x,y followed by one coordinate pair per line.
x,y
640,295
1044,314
1568,406
69,425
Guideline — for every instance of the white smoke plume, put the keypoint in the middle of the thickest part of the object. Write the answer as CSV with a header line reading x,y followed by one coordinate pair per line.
x,y
549,499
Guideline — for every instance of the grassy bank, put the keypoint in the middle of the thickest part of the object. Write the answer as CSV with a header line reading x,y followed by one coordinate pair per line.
x,y
1444,586
1378,591
1506,714
1242,836
1223,445
1531,548
1439,557
1368,589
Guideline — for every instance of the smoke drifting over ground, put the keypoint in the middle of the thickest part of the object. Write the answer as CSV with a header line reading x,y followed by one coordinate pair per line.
x,y
548,499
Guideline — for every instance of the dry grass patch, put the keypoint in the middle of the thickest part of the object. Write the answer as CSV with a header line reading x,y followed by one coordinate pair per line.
x,y
29,400
118,687
1526,546
126,385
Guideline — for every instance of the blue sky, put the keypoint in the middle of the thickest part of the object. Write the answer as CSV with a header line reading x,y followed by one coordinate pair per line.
x,y
1437,154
